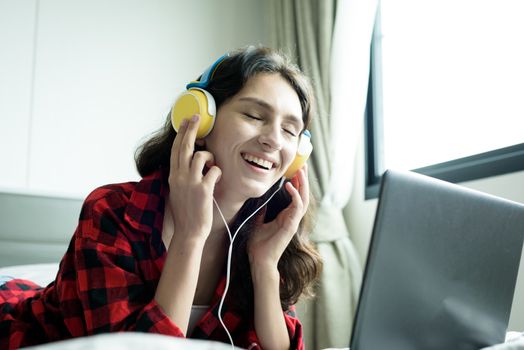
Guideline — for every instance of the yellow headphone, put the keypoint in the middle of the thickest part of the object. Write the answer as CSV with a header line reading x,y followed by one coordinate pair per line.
x,y
196,100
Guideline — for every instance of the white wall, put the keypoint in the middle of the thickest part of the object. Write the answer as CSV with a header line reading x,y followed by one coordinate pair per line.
x,y
82,82
17,22
362,213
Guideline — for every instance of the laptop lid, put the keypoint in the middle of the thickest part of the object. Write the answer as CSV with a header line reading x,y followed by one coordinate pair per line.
x,y
441,269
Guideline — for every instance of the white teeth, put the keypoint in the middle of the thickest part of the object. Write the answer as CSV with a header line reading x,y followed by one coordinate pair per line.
x,y
262,162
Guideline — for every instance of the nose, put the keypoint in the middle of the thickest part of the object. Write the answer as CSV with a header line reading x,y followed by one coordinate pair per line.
x,y
271,137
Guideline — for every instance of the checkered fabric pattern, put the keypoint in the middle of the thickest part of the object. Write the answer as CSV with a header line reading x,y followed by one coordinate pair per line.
x,y
108,277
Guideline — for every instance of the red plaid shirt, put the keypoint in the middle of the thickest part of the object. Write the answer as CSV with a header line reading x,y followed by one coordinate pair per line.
x,y
108,277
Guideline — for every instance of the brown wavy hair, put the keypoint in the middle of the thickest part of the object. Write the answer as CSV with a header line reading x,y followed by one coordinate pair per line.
x,y
300,264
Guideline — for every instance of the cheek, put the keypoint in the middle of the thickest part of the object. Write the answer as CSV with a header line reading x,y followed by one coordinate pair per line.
x,y
290,155
218,145
212,146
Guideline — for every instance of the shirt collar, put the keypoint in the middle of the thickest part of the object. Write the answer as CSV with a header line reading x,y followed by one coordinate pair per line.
x,y
145,210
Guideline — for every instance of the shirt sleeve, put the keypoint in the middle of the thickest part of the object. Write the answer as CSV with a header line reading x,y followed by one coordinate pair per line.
x,y
294,328
108,284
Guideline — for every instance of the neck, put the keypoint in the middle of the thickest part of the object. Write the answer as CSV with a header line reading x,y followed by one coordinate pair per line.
x,y
229,201
229,210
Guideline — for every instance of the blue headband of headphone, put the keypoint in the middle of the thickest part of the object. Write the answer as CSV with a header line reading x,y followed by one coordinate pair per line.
x,y
207,75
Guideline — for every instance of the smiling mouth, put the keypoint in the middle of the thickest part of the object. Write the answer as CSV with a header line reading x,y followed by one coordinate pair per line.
x,y
258,162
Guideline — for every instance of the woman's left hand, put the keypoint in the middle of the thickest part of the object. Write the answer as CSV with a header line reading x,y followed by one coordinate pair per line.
x,y
269,240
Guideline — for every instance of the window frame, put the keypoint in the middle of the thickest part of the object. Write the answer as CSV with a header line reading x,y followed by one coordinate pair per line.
x,y
496,162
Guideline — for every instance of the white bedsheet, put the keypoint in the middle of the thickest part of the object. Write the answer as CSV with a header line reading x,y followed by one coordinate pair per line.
x,y
132,341
514,341
41,274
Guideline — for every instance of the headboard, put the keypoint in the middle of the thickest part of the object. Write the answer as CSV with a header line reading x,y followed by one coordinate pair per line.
x,y
35,228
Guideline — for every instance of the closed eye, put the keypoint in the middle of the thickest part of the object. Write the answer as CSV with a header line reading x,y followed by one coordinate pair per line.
x,y
287,130
250,116
290,132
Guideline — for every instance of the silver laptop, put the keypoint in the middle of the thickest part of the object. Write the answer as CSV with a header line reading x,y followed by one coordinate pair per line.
x,y
441,268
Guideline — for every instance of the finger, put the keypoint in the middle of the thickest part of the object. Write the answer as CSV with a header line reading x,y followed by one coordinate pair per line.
x,y
200,159
175,149
296,201
188,142
212,176
294,180
303,188
292,215
299,181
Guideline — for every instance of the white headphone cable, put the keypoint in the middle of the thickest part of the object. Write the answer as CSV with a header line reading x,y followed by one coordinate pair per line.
x,y
229,254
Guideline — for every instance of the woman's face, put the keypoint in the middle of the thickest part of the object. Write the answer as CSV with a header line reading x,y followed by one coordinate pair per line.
x,y
256,135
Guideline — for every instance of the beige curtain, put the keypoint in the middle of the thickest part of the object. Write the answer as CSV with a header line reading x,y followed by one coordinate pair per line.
x,y
305,28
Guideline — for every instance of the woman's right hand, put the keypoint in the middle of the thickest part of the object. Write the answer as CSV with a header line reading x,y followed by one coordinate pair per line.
x,y
190,191
190,203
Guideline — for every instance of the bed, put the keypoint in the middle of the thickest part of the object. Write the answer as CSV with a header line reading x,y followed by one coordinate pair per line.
x,y
42,274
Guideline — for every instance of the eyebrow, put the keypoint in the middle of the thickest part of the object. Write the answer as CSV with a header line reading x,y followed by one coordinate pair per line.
x,y
268,107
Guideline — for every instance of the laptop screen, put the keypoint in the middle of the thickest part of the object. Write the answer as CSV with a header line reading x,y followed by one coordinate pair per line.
x,y
441,267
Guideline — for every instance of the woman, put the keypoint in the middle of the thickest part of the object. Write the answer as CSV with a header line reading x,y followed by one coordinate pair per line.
x,y
151,256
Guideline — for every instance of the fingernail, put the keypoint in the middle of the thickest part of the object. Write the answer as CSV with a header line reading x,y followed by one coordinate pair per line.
x,y
195,118
183,122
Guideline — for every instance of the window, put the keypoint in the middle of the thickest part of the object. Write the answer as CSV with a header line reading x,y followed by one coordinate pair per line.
x,y
446,89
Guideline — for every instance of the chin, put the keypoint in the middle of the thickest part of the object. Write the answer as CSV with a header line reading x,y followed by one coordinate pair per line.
x,y
256,190
266,188
255,193
251,187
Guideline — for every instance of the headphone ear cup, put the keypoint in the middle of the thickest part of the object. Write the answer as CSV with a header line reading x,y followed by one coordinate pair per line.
x,y
191,102
305,147
298,162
